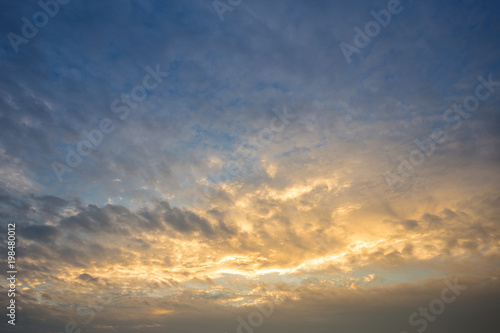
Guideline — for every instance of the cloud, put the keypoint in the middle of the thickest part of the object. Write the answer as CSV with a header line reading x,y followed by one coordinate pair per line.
x,y
308,218
40,233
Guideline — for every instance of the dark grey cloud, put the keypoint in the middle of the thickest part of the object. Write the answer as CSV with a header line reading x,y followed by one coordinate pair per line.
x,y
87,278
40,233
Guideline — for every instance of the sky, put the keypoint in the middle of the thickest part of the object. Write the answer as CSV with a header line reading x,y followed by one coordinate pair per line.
x,y
250,166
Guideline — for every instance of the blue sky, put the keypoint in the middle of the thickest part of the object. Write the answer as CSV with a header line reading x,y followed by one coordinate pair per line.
x,y
263,154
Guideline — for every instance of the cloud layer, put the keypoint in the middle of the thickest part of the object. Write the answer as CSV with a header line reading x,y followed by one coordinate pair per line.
x,y
255,173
